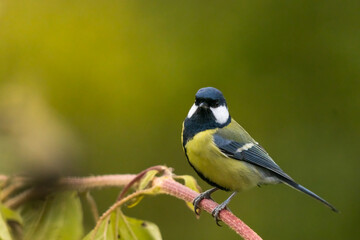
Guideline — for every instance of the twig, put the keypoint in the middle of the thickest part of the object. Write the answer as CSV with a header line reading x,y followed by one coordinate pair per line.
x,y
92,204
7,191
115,206
164,184
66,183
138,177
21,198
11,185
173,188
86,183
3,178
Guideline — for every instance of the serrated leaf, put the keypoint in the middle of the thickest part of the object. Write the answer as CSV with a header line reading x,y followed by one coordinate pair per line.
x,y
4,230
58,217
191,183
144,182
118,226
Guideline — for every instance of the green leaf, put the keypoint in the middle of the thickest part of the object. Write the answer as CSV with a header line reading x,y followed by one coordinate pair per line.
x,y
118,226
56,218
191,183
138,229
149,176
10,215
4,231
105,231
144,182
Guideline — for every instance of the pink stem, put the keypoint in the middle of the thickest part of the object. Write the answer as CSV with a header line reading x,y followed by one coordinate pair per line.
x,y
87,183
166,184
173,188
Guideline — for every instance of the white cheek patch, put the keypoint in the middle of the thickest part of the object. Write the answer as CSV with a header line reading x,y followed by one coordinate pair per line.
x,y
221,114
192,110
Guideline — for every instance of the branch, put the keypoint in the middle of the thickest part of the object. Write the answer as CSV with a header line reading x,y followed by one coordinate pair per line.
x,y
173,188
87,183
115,206
21,198
66,183
3,178
92,204
165,184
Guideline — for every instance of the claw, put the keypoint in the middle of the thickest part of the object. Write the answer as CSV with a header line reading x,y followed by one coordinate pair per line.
x,y
215,213
198,199
196,202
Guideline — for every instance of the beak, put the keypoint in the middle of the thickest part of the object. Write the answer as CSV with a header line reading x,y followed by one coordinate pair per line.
x,y
204,105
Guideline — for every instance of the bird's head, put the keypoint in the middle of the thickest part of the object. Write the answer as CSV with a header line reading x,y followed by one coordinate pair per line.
x,y
210,107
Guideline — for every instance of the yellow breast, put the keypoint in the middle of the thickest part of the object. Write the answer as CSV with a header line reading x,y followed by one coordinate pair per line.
x,y
229,173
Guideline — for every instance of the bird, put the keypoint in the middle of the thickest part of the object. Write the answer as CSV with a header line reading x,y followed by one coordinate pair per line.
x,y
224,155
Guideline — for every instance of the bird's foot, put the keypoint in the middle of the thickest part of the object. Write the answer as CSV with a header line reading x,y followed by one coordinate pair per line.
x,y
215,213
198,199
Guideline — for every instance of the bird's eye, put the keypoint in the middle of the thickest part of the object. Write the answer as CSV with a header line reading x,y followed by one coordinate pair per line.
x,y
216,104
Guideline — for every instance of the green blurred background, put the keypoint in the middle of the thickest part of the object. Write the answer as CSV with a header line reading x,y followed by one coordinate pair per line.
x,y
100,87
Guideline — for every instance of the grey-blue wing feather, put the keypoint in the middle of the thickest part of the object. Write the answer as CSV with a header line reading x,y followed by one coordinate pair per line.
x,y
255,154
258,156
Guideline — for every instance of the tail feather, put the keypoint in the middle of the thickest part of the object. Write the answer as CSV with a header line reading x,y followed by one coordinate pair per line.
x,y
308,192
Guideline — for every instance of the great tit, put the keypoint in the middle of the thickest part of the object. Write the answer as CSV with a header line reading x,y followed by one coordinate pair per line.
x,y
224,155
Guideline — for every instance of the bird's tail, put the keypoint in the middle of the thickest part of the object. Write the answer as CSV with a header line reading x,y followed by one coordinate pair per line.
x,y
308,192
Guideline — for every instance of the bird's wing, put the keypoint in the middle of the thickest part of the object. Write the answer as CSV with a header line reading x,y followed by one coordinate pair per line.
x,y
249,151
237,144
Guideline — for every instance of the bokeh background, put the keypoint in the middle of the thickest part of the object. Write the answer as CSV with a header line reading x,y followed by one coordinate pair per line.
x,y
101,87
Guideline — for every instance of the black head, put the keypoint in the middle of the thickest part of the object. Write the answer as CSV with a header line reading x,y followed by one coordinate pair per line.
x,y
208,112
210,96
